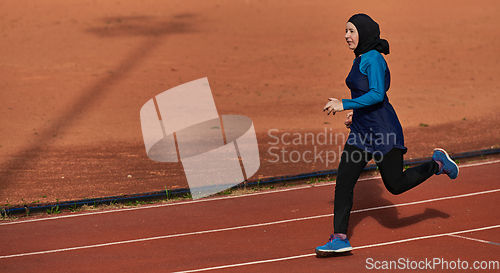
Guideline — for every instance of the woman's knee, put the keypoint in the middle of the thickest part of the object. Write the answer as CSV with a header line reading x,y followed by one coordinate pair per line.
x,y
394,188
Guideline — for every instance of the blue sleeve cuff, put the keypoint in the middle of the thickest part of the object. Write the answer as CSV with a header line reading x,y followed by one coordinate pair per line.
x,y
347,104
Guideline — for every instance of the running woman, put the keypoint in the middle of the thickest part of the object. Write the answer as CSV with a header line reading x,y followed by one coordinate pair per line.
x,y
375,131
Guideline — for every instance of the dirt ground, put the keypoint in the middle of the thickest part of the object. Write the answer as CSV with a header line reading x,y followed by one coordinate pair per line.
x,y
74,75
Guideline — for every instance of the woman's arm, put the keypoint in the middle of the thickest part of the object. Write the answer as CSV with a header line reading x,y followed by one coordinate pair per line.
x,y
373,65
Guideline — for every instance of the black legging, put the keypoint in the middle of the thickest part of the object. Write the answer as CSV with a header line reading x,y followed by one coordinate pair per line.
x,y
390,165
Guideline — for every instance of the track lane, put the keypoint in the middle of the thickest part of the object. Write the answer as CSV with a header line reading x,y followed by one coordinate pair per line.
x,y
221,246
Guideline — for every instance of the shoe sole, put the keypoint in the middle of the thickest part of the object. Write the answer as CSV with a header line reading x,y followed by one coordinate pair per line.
x,y
324,253
449,158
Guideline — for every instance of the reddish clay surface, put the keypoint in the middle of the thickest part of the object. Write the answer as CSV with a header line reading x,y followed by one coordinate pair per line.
x,y
74,75
195,251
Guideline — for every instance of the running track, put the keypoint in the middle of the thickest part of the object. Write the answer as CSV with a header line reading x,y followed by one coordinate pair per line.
x,y
274,231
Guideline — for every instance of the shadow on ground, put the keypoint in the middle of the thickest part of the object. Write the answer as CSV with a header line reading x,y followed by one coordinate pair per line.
x,y
371,195
154,30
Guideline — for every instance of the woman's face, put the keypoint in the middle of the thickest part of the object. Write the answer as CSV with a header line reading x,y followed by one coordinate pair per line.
x,y
351,35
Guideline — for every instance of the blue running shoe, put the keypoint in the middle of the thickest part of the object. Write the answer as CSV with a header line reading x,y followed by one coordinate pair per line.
x,y
449,166
334,245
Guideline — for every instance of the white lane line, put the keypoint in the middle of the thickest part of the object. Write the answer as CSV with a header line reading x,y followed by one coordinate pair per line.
x,y
209,199
428,200
164,237
474,239
248,263
242,227
360,247
171,204
182,203
479,164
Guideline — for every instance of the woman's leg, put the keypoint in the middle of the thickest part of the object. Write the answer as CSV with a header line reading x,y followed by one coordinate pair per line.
x,y
351,165
395,179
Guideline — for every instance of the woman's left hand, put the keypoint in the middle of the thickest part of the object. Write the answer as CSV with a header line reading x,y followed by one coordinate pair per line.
x,y
334,105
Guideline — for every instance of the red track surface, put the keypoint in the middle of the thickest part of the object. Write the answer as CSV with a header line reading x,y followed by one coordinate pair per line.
x,y
443,219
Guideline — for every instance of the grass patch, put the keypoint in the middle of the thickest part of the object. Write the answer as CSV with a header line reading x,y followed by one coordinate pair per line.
x,y
226,192
53,210
73,207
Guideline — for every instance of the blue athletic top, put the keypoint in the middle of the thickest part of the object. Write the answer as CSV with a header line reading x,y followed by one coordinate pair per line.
x,y
375,125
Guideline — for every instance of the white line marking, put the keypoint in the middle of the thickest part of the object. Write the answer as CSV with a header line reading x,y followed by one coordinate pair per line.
x,y
479,164
428,200
181,203
242,227
429,236
209,199
164,237
248,263
166,205
360,247
472,239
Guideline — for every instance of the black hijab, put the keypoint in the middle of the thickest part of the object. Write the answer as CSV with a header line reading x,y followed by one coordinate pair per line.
x,y
369,35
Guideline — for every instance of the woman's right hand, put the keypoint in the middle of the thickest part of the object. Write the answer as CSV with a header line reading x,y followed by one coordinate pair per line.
x,y
348,121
